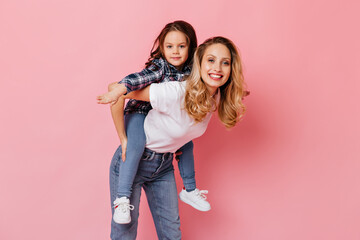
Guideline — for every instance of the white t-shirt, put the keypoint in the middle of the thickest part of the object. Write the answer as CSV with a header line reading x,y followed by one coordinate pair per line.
x,y
168,126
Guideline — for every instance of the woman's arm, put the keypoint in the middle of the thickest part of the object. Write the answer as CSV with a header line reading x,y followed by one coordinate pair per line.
x,y
142,94
134,82
117,113
117,91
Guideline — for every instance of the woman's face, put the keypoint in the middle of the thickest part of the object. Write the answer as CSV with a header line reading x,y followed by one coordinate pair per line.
x,y
215,66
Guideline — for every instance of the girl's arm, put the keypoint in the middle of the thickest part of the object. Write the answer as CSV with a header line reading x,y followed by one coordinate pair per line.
x,y
134,82
117,91
152,74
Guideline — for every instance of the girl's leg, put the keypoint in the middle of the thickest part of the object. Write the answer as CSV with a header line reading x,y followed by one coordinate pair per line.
x,y
191,195
123,231
186,166
134,124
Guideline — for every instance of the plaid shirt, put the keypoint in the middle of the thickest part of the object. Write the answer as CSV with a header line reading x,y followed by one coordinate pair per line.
x,y
159,71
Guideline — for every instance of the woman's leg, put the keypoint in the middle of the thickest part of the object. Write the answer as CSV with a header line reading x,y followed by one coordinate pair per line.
x,y
123,231
134,124
161,194
186,166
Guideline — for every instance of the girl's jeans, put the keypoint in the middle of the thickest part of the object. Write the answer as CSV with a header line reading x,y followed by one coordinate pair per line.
x,y
134,124
156,175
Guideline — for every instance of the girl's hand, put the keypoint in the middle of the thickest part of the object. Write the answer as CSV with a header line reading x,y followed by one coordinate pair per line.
x,y
115,92
109,97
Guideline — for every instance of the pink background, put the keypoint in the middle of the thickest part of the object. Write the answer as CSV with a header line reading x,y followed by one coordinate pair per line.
x,y
289,170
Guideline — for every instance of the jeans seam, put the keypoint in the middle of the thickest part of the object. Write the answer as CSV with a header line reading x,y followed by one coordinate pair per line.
x,y
113,176
158,169
157,213
181,168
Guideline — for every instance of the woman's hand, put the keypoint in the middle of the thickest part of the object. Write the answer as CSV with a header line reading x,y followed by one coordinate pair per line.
x,y
123,148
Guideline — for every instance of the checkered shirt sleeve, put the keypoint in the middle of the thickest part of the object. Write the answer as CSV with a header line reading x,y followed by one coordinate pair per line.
x,y
139,80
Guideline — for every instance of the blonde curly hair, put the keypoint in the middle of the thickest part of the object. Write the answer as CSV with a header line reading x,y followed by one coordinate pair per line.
x,y
199,102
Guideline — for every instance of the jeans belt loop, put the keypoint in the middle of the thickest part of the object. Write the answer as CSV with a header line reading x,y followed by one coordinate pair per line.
x,y
165,156
152,155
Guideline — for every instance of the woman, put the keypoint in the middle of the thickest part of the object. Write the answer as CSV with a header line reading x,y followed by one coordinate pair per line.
x,y
215,83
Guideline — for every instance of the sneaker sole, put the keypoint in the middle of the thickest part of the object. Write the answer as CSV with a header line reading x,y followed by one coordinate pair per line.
x,y
197,207
122,222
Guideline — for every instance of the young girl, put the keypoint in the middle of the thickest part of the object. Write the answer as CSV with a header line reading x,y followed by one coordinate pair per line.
x,y
181,111
170,60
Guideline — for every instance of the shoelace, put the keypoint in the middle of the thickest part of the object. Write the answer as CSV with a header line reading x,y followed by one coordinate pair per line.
x,y
124,206
201,194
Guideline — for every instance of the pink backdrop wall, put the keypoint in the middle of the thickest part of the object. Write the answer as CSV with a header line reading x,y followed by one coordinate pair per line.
x,y
289,170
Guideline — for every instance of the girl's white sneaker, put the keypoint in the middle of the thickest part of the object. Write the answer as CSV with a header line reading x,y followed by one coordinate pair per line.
x,y
196,199
122,209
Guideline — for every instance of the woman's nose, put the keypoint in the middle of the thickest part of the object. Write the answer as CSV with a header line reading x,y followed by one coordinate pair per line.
x,y
217,67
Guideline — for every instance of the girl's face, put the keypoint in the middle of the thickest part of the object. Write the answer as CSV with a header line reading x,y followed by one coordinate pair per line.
x,y
176,48
215,66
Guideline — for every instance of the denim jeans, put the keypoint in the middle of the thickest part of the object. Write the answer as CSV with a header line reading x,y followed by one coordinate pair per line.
x,y
186,166
156,175
134,124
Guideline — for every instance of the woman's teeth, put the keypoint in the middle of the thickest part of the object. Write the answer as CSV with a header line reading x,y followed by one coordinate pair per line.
x,y
215,76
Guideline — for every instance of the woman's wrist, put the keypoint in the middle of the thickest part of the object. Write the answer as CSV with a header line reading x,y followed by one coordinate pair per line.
x,y
123,138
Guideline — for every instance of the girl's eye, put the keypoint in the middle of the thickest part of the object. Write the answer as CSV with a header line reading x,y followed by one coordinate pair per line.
x,y
182,46
211,60
168,46
226,63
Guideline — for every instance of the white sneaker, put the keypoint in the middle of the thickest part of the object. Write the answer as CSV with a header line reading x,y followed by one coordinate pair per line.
x,y
196,199
122,209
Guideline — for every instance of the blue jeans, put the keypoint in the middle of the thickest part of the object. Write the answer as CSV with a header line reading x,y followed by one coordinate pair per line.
x,y
156,175
187,167
134,124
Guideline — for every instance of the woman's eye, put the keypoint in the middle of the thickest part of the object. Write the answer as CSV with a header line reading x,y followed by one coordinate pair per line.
x,y
226,63
169,46
211,60
182,46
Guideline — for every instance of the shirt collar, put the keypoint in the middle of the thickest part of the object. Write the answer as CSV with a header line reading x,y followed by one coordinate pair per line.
x,y
186,69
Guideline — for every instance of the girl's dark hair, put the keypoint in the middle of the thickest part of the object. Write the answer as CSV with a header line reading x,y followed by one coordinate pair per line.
x,y
181,26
